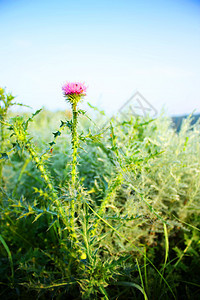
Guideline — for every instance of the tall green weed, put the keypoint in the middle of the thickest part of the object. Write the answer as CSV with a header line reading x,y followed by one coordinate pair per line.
x,y
132,231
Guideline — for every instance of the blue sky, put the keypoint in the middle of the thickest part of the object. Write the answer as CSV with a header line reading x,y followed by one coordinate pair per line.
x,y
115,47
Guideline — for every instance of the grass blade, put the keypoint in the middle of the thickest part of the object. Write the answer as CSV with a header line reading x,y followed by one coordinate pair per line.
x,y
9,255
145,296
134,285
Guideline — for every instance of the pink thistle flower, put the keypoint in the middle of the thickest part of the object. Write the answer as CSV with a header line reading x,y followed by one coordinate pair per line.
x,y
74,88
74,91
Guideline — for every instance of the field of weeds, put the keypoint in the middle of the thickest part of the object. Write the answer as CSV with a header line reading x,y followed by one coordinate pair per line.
x,y
93,208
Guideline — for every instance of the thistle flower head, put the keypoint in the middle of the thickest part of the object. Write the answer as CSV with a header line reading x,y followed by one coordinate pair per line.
x,y
74,91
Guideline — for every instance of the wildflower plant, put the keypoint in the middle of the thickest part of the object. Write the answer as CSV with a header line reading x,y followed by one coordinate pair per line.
x,y
6,102
73,93
98,215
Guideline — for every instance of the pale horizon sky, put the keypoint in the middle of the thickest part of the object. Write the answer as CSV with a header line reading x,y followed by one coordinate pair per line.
x,y
115,47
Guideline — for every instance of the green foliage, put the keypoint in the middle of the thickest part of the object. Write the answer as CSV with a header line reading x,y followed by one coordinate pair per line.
x,y
118,219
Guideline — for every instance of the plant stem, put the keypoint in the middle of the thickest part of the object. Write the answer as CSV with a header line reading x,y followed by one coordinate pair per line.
x,y
114,185
47,180
42,170
74,163
2,150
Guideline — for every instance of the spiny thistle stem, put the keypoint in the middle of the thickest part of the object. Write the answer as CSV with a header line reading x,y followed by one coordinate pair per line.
x,y
3,112
1,149
47,180
21,134
41,169
74,91
74,161
2,135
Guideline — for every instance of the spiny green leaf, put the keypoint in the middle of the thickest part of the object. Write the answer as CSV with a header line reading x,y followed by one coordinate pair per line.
x,y
56,134
69,124
37,217
62,124
31,118
3,156
81,112
52,143
52,224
